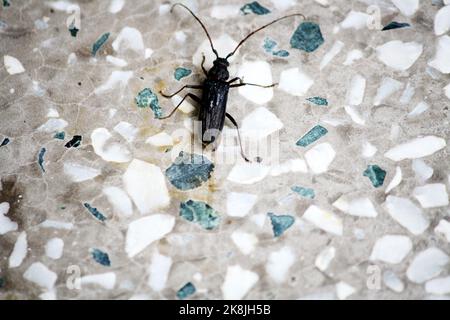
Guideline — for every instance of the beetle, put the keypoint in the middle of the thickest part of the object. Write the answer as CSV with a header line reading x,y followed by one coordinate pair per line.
x,y
215,88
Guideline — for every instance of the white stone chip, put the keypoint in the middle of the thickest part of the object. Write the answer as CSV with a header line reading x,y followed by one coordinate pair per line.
x,y
185,107
355,93
146,185
116,6
320,157
334,51
53,125
443,228
158,271
420,108
324,220
246,242
258,72
117,79
353,56
407,94
344,290
324,258
447,91
407,214
101,140
105,280
260,123
388,87
222,12
54,248
355,115
422,170
431,195
57,225
279,263
161,139
223,44
248,173
39,274
355,20
283,4
20,251
144,231
393,282
416,148
407,7
116,61
396,180
427,265
391,249
359,207
79,173
120,200
13,65
129,39
440,61
442,21
438,286
295,82
368,150
238,282
239,204
126,130
399,55
6,224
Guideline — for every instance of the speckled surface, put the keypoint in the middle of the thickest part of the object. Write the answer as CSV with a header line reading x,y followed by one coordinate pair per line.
x,y
118,210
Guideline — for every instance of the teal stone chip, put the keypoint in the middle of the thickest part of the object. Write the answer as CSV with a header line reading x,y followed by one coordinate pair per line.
x,y
312,136
281,53
94,211
201,213
6,3
99,43
181,73
41,158
73,30
280,223
187,290
60,135
307,37
189,171
269,45
395,25
5,142
304,192
375,174
146,98
101,257
254,7
318,101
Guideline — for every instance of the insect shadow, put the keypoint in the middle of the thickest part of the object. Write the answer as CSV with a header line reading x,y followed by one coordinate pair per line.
x,y
215,88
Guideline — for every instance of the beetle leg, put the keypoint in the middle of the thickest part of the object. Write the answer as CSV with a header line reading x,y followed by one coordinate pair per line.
x,y
203,64
188,86
252,84
234,80
239,135
190,95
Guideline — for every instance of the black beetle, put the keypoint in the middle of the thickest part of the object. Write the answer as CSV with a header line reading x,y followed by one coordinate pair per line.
x,y
215,89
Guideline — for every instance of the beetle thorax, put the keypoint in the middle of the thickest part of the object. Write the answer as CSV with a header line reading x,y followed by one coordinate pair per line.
x,y
219,70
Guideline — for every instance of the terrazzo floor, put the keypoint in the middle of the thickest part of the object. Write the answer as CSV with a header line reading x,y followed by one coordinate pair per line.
x,y
345,196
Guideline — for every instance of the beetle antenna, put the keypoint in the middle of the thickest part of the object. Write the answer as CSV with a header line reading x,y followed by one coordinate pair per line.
x,y
259,29
201,23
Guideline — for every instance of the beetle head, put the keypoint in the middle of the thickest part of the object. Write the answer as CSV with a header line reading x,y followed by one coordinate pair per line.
x,y
219,70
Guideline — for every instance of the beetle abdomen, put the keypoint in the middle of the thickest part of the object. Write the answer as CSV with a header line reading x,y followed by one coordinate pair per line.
x,y
213,109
